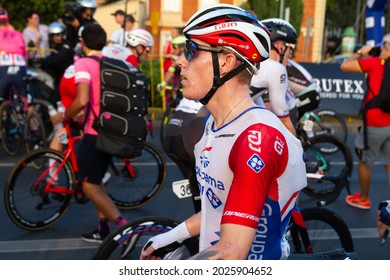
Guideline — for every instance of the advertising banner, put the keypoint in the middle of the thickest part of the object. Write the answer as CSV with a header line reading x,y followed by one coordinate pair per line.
x,y
341,91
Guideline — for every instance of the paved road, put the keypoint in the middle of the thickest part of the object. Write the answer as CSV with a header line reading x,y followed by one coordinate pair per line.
x,y
62,241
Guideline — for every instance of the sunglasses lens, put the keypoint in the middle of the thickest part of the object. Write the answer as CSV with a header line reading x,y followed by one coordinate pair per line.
x,y
190,50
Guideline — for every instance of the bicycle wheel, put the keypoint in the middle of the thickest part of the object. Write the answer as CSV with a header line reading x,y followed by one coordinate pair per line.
x,y
127,241
332,156
34,132
28,204
326,231
41,107
329,122
10,129
137,180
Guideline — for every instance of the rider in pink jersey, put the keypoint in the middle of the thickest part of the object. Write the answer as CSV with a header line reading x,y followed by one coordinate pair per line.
x,y
249,167
13,57
93,163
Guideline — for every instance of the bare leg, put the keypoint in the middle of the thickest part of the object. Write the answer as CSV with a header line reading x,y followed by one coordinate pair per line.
x,y
364,171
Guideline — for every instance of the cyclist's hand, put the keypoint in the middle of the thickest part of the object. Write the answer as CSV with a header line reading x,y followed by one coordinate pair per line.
x,y
80,117
57,118
161,86
160,245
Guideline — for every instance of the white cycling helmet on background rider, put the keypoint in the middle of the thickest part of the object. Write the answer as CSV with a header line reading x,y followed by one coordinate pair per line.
x,y
139,37
226,27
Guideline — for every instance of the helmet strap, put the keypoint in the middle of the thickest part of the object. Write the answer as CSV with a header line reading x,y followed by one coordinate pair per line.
x,y
217,80
279,53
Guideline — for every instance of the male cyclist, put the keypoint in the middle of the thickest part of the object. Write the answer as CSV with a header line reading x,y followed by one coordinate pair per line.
x,y
137,46
271,82
249,167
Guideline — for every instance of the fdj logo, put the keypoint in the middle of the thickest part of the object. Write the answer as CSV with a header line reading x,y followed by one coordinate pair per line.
x,y
256,163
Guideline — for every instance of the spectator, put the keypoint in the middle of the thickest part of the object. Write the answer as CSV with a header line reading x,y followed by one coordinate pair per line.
x,y
61,57
118,37
249,168
36,36
376,123
93,163
119,16
13,58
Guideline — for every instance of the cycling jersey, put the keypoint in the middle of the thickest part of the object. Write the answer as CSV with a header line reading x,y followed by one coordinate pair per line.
x,y
13,56
119,52
86,71
250,172
271,84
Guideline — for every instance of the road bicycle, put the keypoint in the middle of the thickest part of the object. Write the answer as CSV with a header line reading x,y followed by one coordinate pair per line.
x,y
20,123
333,157
315,231
42,184
323,121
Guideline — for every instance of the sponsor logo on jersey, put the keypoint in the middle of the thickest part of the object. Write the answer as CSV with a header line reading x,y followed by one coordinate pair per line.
x,y
213,198
256,163
283,78
279,145
203,157
224,135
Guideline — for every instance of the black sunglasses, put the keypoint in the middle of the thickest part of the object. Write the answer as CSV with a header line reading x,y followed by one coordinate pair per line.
x,y
191,50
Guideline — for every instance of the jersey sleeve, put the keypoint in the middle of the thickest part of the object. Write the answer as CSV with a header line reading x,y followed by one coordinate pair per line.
x,y
277,90
258,158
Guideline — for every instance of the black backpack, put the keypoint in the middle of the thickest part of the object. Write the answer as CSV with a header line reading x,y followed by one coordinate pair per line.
x,y
121,125
382,100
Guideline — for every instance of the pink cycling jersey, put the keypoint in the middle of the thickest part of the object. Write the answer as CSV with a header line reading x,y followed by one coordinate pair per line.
x,y
12,48
250,172
87,70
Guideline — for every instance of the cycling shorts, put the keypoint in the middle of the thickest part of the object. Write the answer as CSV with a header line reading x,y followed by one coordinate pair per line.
x,y
12,75
93,163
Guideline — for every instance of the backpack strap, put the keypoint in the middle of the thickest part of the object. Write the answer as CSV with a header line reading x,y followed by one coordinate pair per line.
x,y
90,109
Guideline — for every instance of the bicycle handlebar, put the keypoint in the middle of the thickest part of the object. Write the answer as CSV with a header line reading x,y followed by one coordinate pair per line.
x,y
337,254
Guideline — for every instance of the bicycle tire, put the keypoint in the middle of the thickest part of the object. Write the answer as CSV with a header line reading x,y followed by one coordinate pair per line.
x,y
34,132
134,235
329,122
133,192
332,163
27,204
11,137
41,107
327,231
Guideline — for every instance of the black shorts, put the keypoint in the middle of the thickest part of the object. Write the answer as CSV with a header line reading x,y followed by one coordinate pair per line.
x,y
93,163
12,76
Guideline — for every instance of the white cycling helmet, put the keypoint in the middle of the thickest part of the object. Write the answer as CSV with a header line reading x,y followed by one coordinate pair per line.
x,y
232,27
139,37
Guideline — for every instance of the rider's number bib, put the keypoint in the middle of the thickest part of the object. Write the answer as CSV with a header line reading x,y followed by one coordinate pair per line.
x,y
182,188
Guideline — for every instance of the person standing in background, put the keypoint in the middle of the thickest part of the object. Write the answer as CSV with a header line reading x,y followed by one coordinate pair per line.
x,y
118,37
373,139
36,36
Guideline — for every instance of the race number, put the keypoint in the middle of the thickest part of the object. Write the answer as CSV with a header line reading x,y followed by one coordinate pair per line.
x,y
182,188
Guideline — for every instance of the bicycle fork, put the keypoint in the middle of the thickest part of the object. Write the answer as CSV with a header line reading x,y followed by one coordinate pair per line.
x,y
299,233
